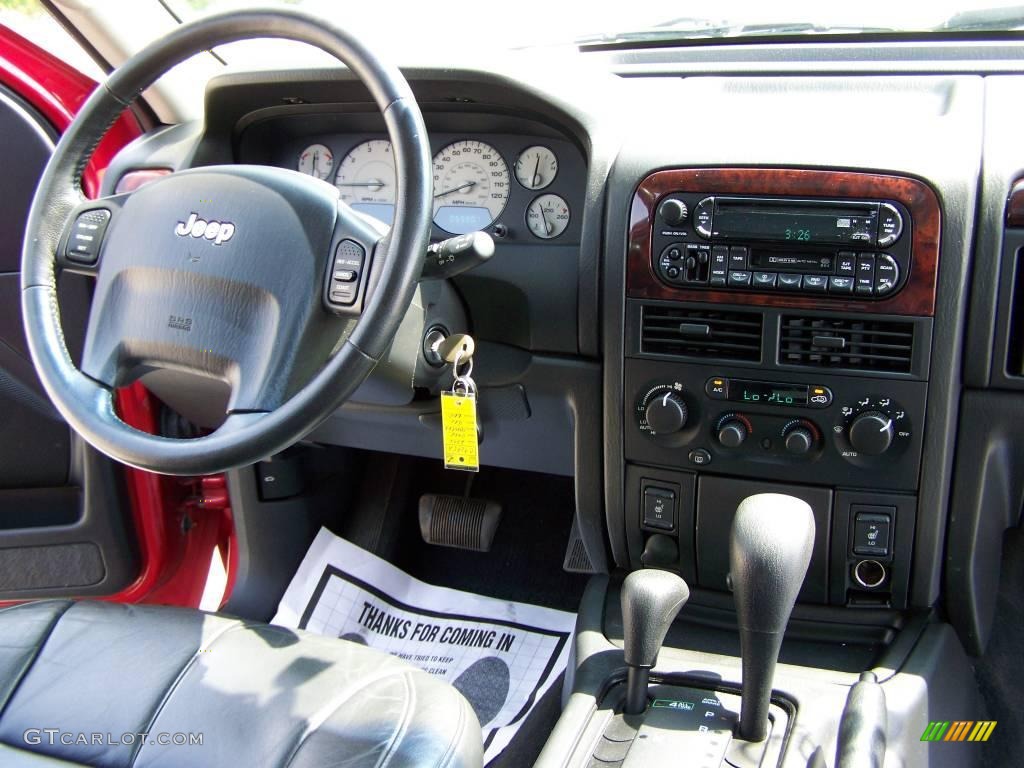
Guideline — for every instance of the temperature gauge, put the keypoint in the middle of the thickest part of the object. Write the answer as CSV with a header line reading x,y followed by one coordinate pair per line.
x,y
548,216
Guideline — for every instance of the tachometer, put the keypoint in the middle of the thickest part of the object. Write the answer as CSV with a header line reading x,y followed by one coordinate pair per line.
x,y
470,186
366,179
316,160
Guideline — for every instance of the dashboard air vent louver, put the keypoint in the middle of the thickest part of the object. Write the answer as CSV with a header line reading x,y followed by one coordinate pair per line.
x,y
867,345
681,332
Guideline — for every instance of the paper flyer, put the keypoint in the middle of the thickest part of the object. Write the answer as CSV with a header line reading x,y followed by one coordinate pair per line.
x,y
501,655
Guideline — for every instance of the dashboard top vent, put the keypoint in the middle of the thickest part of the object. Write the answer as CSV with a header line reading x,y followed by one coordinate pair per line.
x,y
864,345
684,332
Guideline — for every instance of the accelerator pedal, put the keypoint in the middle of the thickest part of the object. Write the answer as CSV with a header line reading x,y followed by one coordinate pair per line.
x,y
458,521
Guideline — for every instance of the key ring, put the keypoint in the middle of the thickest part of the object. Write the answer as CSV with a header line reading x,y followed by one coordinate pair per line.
x,y
465,379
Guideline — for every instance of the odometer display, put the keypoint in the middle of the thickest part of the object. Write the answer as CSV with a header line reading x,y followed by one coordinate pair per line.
x,y
471,183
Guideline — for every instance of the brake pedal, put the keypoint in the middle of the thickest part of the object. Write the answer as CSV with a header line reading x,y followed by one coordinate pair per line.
x,y
458,521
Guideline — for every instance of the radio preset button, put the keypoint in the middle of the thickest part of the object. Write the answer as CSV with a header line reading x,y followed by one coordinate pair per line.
x,y
739,279
887,273
846,263
890,225
815,283
839,284
789,282
738,257
764,279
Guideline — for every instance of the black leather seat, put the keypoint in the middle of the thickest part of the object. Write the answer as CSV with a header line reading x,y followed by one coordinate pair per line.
x,y
259,695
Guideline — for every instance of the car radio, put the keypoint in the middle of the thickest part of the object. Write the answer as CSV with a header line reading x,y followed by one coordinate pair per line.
x,y
858,248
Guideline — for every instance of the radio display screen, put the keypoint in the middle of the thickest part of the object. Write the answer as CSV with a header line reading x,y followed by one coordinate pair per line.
x,y
742,391
794,221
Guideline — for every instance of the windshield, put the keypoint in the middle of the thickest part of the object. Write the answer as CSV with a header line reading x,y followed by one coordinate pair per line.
x,y
413,25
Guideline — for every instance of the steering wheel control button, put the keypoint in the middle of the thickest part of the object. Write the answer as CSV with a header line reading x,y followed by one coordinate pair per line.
x,y
86,235
700,457
348,266
887,273
871,531
659,508
890,225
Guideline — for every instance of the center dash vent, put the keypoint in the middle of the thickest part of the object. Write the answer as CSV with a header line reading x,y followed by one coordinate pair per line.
x,y
867,345
716,334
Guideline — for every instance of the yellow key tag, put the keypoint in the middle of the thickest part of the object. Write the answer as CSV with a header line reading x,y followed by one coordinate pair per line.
x,y
458,424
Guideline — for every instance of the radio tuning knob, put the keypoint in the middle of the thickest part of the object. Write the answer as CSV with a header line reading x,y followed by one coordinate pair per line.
x,y
871,433
673,212
732,433
666,413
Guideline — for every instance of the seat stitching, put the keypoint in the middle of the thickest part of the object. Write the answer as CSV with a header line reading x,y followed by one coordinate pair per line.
x,y
35,657
173,687
330,709
403,722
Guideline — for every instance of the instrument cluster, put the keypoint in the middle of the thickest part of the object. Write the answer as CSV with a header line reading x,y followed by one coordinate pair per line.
x,y
472,183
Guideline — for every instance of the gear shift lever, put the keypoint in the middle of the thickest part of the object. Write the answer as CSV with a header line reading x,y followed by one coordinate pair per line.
x,y
650,602
769,551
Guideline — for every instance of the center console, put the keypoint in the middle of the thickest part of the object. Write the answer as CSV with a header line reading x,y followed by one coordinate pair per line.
x,y
777,339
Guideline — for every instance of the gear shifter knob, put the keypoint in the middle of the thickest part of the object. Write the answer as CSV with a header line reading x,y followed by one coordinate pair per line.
x,y
650,602
769,551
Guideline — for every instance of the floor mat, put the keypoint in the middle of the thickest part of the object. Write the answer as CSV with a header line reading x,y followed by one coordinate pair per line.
x,y
501,655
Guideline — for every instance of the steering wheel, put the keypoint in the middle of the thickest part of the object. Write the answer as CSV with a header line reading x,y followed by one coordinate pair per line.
x,y
248,274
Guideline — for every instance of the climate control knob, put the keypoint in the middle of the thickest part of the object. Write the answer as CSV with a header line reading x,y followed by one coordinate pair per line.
x,y
666,413
871,433
799,440
732,433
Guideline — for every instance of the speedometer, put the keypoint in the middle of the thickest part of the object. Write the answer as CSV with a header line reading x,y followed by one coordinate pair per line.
x,y
366,179
470,186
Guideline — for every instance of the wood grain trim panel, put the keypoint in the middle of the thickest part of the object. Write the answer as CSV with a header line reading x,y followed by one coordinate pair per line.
x,y
917,296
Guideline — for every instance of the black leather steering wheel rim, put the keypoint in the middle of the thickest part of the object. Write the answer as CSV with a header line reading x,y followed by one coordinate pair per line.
x,y
245,437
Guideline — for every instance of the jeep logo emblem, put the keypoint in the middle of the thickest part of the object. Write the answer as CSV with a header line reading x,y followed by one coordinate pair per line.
x,y
217,232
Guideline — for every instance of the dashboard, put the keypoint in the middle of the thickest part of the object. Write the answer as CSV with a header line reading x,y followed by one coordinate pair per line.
x,y
711,278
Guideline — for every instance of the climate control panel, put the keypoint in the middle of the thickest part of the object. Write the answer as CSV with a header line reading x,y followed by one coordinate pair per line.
x,y
836,430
